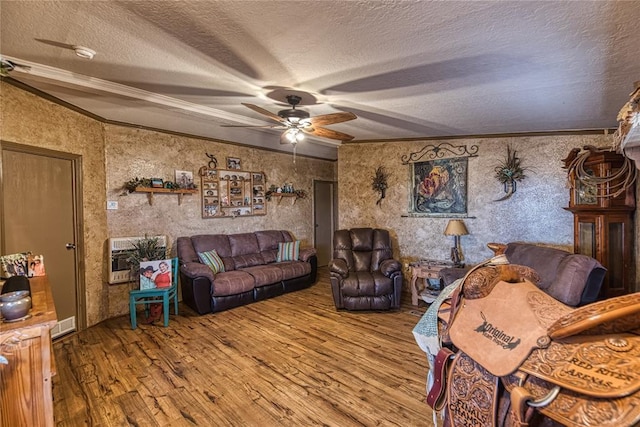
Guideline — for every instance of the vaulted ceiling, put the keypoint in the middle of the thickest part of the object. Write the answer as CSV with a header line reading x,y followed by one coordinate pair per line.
x,y
407,69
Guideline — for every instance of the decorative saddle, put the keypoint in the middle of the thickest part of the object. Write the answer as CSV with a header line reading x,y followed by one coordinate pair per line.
x,y
514,356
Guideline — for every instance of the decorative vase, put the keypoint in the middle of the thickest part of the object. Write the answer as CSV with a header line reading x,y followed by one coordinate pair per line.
x,y
15,305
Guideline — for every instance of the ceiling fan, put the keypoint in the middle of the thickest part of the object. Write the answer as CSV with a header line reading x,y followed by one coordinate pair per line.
x,y
296,123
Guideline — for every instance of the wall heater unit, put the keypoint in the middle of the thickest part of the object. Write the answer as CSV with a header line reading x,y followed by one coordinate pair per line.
x,y
119,250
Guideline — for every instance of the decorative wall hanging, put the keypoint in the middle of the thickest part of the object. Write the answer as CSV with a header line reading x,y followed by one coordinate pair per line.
x,y
591,184
509,172
213,162
439,187
439,184
229,193
379,183
440,151
628,118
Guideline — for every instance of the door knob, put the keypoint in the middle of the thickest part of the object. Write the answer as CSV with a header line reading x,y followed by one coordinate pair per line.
x,y
70,246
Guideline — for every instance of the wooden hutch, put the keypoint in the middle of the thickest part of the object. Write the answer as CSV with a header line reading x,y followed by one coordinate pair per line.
x,y
28,365
603,217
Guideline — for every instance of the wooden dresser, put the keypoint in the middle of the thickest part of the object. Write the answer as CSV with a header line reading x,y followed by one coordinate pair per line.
x,y
25,382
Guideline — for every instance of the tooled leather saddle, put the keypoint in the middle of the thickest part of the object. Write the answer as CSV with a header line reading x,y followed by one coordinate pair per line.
x,y
514,356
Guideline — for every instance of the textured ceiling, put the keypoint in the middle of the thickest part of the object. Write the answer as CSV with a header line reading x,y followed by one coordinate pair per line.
x,y
407,69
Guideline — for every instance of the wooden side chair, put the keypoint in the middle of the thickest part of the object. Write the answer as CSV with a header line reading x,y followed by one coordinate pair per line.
x,y
157,295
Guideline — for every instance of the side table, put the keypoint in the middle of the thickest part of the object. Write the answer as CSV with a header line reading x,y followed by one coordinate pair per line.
x,y
429,271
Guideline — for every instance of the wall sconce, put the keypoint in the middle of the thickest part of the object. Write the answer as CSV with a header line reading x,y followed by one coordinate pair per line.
x,y
456,228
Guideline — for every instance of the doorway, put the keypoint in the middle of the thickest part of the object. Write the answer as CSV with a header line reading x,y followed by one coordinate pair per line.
x,y
40,214
324,217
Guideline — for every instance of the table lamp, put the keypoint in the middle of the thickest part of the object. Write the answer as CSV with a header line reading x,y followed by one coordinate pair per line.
x,y
456,228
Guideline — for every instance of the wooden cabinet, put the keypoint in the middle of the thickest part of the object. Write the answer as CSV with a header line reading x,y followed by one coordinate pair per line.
x,y
232,193
603,226
25,381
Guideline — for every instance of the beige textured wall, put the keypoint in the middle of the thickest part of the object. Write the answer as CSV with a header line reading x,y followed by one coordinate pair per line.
x,y
132,152
533,214
30,120
111,155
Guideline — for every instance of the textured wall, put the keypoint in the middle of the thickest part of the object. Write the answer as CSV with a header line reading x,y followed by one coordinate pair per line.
x,y
30,120
132,152
112,155
533,214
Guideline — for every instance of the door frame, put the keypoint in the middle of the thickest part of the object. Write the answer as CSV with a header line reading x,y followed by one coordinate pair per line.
x,y
78,224
334,209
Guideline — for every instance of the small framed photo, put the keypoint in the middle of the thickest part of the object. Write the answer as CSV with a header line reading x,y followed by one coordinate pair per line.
x,y
233,163
184,179
155,274
157,183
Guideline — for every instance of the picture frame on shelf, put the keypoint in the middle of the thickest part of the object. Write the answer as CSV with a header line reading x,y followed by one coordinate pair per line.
x,y
157,183
184,179
234,163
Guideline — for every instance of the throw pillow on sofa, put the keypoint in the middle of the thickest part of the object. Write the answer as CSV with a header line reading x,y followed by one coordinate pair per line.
x,y
212,260
288,251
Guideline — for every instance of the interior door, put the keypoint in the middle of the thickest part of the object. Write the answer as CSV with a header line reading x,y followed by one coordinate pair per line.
x,y
38,215
324,220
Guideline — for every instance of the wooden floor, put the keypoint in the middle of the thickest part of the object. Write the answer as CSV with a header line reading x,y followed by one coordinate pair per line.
x,y
287,361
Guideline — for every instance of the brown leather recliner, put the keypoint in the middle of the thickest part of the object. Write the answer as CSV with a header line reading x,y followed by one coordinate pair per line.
x,y
364,276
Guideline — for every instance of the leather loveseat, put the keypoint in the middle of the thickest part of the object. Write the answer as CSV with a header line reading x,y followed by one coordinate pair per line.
x,y
251,270
364,275
573,279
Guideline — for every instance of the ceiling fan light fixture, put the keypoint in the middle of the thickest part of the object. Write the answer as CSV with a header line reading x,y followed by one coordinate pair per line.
x,y
294,135
293,115
84,52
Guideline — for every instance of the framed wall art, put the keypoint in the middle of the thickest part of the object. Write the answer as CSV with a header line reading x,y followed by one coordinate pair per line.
x,y
233,163
439,187
184,179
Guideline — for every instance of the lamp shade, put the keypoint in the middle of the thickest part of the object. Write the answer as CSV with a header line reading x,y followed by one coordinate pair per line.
x,y
456,227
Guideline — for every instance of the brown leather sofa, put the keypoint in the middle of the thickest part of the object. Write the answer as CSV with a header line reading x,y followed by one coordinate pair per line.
x,y
364,276
573,279
251,270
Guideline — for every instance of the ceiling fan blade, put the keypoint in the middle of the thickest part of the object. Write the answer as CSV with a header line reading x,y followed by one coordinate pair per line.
x,y
328,119
328,133
265,112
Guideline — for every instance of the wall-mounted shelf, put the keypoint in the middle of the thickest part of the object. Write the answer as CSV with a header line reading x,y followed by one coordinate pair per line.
x,y
151,191
293,196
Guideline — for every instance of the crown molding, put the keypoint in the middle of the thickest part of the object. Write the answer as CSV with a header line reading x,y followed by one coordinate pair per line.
x,y
99,85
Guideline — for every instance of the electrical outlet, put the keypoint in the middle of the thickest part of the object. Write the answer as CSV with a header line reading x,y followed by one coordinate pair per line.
x,y
112,204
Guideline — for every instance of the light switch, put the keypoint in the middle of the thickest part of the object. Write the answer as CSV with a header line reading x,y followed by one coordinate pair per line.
x,y
112,204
